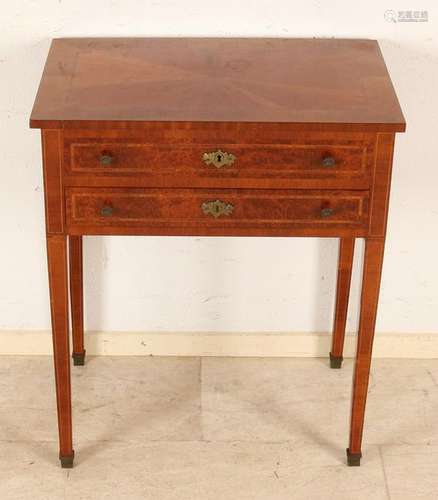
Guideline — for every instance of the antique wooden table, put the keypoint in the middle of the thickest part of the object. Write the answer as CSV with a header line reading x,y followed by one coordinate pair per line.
x,y
215,137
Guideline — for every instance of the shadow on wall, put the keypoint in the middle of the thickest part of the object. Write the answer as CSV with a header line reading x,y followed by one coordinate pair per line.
x,y
213,271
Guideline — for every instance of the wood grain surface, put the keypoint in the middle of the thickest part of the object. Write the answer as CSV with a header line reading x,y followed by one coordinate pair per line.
x,y
128,81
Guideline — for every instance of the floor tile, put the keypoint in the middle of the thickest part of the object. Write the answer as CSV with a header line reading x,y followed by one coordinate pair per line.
x,y
289,399
27,382
122,398
146,471
27,398
283,471
402,405
275,400
138,398
411,471
216,471
29,470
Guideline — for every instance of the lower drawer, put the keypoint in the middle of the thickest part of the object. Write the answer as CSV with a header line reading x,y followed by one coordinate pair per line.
x,y
196,211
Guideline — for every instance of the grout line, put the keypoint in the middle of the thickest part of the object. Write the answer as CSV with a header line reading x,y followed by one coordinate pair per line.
x,y
384,472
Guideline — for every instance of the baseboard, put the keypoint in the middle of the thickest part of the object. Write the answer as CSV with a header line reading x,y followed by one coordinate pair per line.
x,y
261,344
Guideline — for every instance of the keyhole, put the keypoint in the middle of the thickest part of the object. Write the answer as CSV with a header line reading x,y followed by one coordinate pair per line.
x,y
219,158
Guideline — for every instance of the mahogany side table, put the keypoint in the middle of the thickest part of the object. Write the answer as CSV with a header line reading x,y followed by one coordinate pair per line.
x,y
215,137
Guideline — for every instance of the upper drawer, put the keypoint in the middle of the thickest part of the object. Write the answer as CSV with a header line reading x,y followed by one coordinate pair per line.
x,y
333,165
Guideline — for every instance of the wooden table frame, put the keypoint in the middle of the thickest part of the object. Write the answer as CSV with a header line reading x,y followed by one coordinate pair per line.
x,y
58,244
64,232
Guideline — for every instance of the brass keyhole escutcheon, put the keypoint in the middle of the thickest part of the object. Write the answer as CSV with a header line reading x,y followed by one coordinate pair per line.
x,y
217,208
219,158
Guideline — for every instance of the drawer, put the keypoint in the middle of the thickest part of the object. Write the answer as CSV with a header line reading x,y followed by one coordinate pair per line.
x,y
344,165
201,209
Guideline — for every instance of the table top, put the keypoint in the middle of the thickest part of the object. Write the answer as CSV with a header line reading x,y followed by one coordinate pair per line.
x,y
334,84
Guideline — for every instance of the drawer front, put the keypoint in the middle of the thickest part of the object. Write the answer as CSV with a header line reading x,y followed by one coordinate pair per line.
x,y
188,165
208,208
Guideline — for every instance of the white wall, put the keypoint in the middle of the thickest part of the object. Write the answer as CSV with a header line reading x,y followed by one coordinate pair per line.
x,y
220,284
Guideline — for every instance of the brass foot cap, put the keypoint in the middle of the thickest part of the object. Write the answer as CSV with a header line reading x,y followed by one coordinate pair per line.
x,y
78,358
335,361
67,460
353,459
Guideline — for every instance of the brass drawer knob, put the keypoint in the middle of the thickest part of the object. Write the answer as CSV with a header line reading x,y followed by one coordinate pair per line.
x,y
217,208
106,159
328,161
106,211
218,158
327,212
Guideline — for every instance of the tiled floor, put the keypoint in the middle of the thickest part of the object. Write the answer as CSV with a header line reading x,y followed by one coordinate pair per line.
x,y
218,428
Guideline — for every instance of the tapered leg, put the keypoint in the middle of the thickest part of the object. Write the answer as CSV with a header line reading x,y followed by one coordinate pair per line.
x,y
372,271
345,266
58,283
76,297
